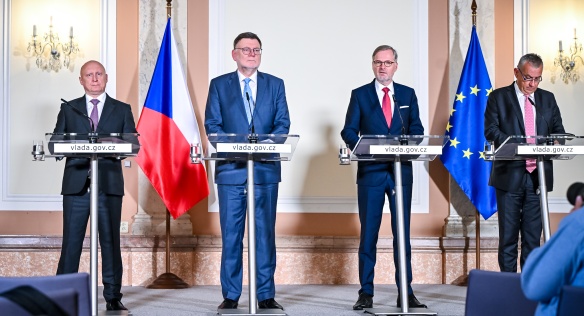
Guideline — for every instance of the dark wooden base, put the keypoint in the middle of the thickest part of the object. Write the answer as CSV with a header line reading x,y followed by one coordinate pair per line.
x,y
168,281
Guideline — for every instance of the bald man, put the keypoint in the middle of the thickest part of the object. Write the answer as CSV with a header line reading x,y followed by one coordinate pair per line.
x,y
108,116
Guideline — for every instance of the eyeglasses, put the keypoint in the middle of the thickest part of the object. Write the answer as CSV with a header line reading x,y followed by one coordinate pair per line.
x,y
247,50
530,79
386,63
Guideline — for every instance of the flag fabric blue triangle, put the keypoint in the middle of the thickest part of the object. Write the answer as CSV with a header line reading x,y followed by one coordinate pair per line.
x,y
463,155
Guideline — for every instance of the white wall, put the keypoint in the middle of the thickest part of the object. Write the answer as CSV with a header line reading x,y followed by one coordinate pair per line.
x,y
31,96
322,49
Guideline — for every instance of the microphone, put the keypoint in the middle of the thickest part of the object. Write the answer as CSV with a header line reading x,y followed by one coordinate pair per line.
x,y
549,141
252,138
81,113
576,189
403,141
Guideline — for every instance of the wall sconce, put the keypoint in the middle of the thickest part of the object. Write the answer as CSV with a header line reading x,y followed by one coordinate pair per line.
x,y
567,62
52,60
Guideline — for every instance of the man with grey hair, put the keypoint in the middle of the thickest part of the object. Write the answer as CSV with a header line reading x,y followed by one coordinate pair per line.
x,y
381,107
520,109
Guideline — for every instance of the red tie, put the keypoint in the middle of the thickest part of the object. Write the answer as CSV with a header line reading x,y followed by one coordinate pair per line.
x,y
529,131
386,106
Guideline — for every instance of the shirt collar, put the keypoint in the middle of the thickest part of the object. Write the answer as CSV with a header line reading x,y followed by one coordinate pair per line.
x,y
101,98
519,93
253,77
379,86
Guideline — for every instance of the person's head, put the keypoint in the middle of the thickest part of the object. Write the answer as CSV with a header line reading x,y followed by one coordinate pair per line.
x,y
247,52
93,78
384,64
575,194
528,73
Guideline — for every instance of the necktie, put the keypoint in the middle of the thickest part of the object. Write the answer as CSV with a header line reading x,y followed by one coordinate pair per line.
x,y
386,106
529,131
94,115
250,104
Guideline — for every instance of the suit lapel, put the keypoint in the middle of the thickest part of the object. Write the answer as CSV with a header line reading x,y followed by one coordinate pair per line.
x,y
396,121
235,91
81,106
541,124
512,99
261,92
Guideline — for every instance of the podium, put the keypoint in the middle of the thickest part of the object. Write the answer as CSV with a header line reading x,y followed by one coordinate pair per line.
x,y
92,146
250,148
392,148
541,148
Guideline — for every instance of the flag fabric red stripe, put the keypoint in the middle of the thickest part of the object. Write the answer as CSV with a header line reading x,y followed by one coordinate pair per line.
x,y
167,164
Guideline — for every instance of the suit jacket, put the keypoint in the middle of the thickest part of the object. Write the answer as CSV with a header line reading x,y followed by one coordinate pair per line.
x,y
116,117
503,118
225,113
365,117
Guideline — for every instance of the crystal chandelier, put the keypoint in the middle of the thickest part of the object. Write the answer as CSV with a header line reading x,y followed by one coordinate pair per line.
x,y
48,50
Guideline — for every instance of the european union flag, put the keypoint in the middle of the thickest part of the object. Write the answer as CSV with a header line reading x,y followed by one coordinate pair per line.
x,y
463,155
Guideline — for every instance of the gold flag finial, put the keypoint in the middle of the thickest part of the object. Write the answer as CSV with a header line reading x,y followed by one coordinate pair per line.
x,y
168,8
474,12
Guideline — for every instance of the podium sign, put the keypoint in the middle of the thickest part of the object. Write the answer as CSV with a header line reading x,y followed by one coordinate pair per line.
x,y
407,147
541,148
84,145
267,147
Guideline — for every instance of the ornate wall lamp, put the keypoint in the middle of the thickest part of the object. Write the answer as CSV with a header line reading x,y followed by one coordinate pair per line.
x,y
48,50
568,63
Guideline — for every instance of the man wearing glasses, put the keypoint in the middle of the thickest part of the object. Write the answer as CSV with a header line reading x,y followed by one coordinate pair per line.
x,y
381,107
243,102
520,109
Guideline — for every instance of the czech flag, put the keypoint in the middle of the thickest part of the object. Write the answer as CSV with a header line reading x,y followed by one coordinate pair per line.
x,y
167,128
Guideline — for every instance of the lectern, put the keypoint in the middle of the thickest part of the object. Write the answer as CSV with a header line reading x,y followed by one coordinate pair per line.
x,y
392,148
540,148
250,148
92,146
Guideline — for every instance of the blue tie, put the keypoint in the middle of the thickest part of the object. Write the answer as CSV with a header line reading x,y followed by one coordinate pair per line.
x,y
250,106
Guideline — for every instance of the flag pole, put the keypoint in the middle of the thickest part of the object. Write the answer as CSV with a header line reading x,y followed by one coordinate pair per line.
x,y
477,216
168,280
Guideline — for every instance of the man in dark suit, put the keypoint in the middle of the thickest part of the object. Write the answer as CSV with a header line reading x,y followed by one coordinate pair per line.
x,y
110,116
520,109
233,100
373,111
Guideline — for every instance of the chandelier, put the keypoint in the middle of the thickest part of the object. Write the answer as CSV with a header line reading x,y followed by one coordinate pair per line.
x,y
48,50
568,62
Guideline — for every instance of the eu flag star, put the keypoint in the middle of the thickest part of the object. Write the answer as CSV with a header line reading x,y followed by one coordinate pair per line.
x,y
454,142
460,97
489,91
448,126
467,153
475,90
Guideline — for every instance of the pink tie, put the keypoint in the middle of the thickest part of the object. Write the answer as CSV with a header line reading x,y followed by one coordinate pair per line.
x,y
94,115
529,131
386,106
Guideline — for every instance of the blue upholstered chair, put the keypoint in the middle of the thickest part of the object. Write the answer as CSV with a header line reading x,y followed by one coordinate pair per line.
x,y
52,285
496,293
67,299
571,301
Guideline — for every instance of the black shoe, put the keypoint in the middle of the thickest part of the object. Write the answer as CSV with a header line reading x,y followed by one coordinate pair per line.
x,y
365,301
412,302
228,304
270,303
115,305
